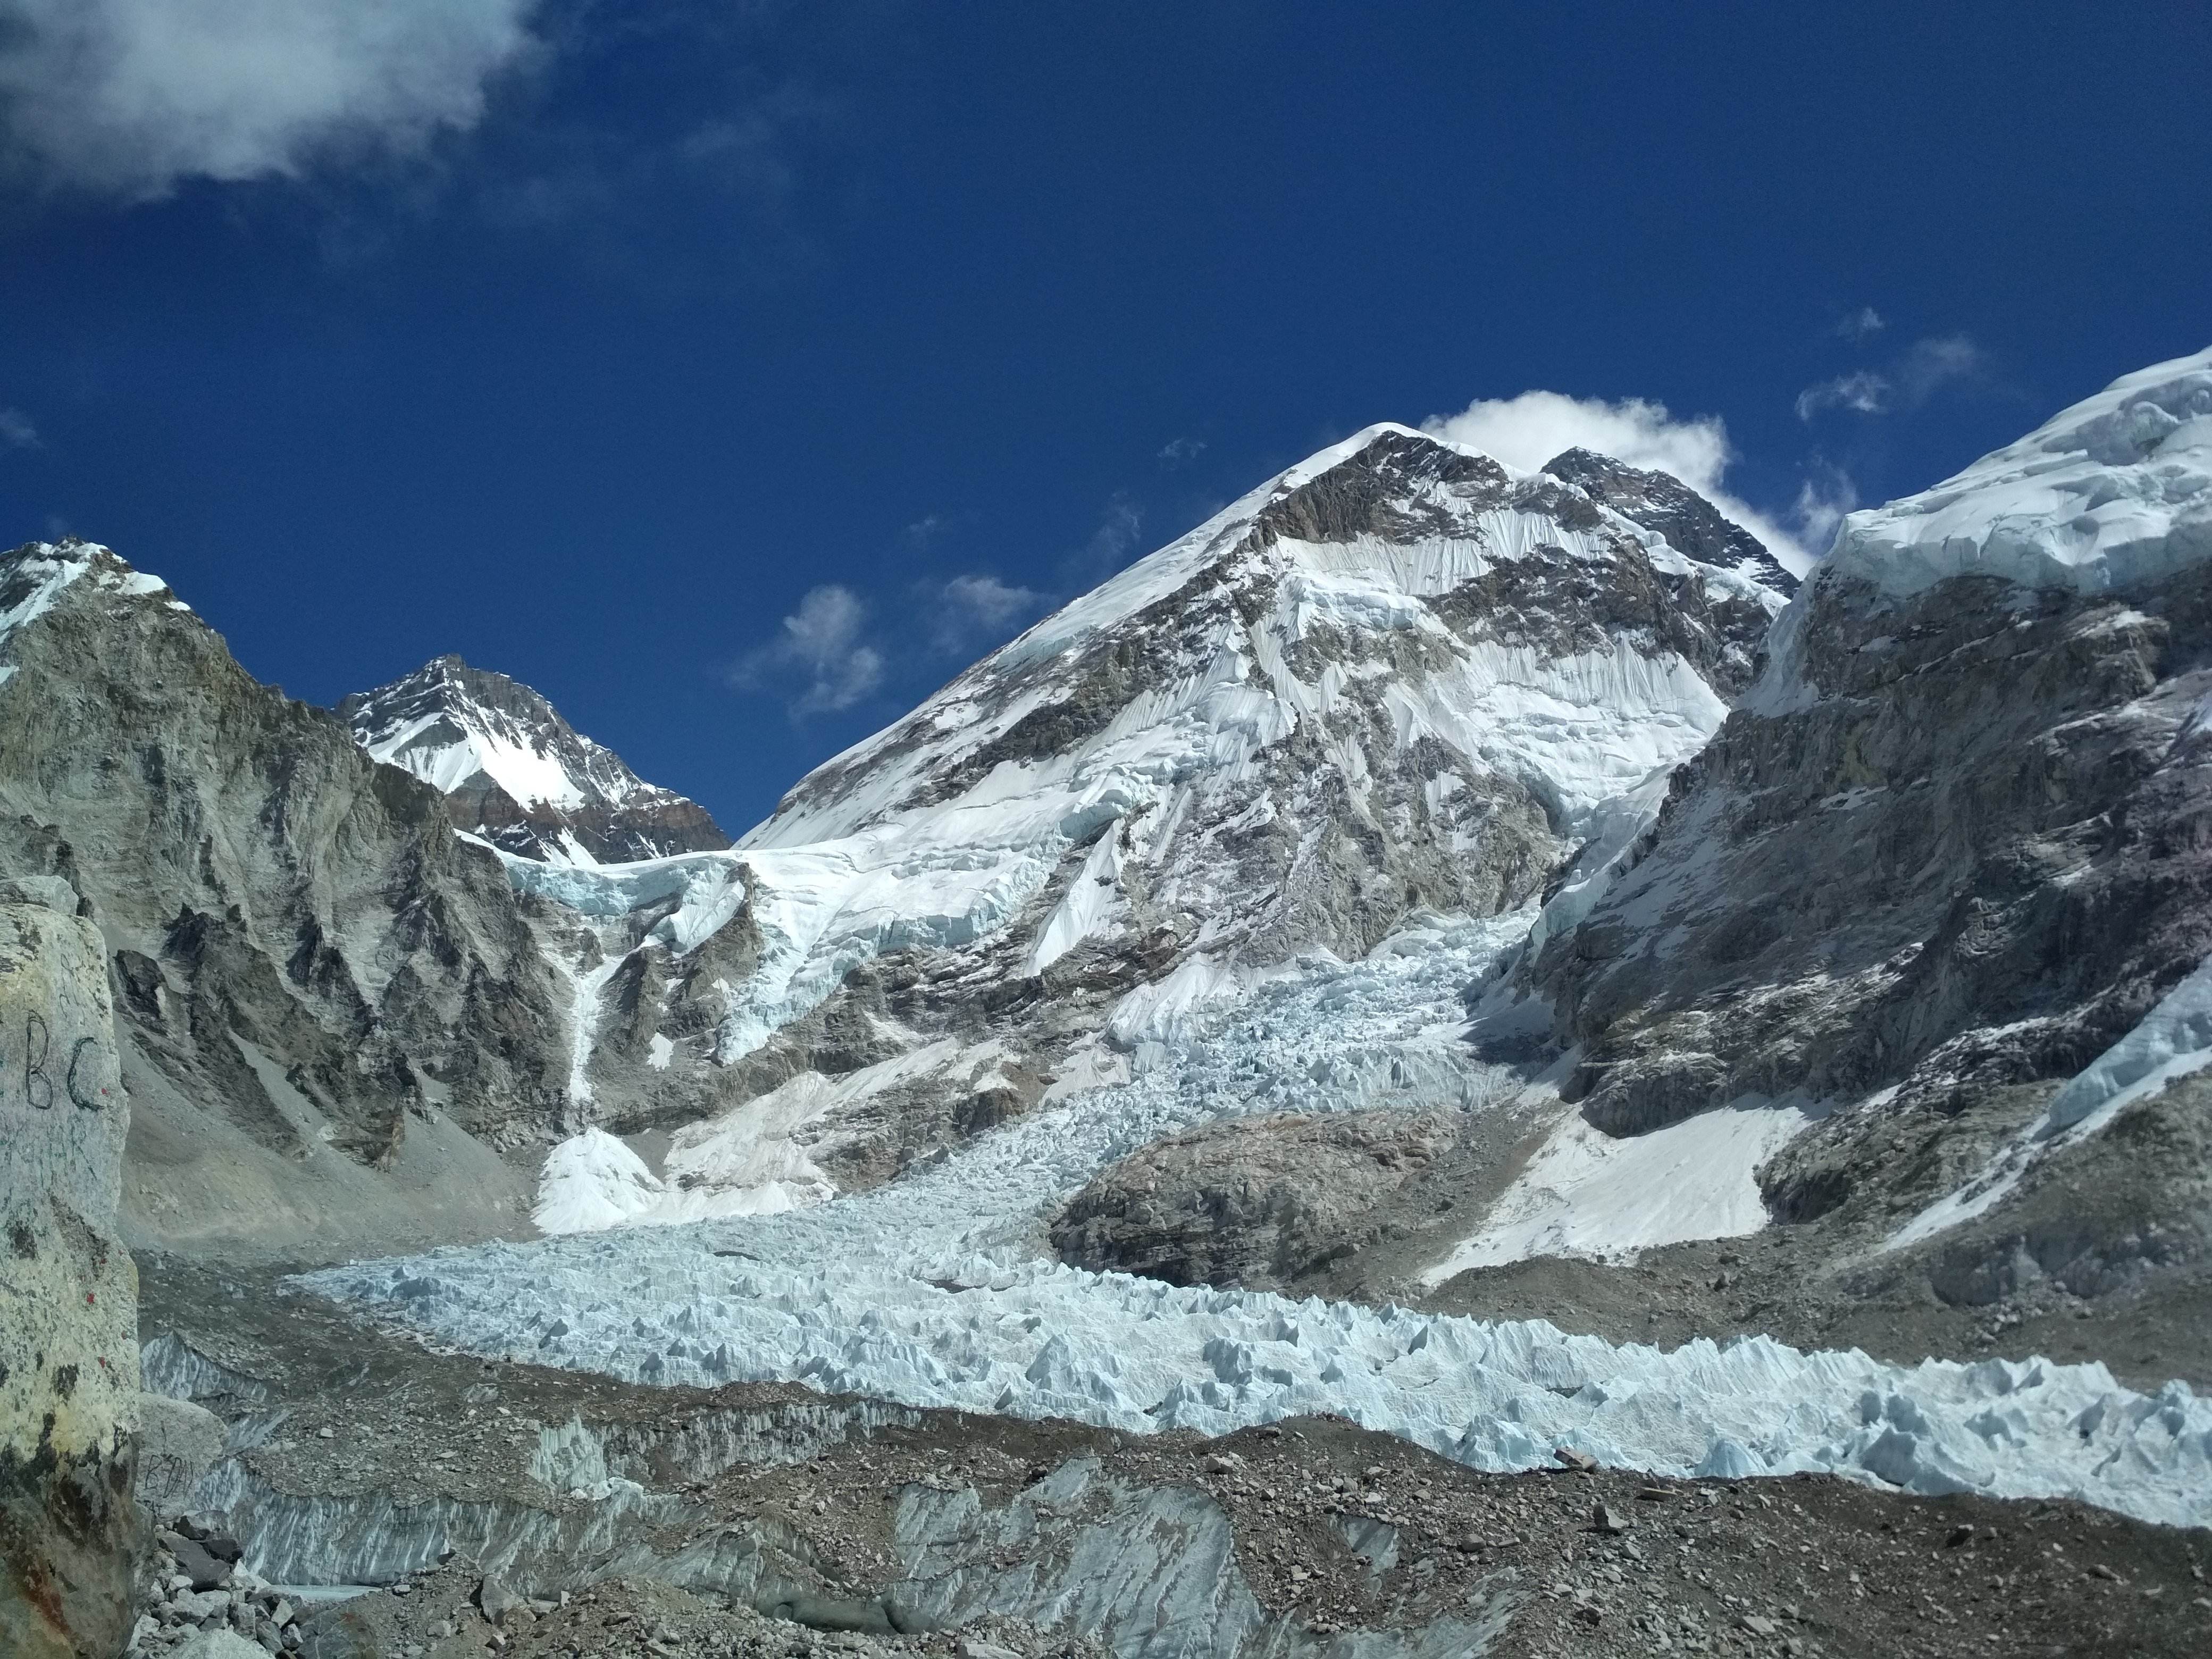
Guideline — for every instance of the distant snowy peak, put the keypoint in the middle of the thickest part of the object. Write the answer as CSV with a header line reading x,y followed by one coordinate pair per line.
x,y
514,772
1658,501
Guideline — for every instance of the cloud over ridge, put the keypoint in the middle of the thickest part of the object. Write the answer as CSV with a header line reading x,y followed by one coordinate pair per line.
x,y
1527,430
129,97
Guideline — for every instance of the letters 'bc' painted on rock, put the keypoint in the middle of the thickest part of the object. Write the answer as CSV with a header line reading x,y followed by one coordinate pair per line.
x,y
70,1533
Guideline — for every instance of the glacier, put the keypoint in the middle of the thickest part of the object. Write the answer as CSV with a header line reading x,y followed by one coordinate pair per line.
x,y
934,1291
939,1290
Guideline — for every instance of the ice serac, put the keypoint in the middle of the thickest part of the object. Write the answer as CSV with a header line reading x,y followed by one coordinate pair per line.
x,y
512,770
71,1535
328,1001
1399,678
1945,852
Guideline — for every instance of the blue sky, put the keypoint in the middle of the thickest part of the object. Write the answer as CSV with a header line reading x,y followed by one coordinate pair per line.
x,y
736,373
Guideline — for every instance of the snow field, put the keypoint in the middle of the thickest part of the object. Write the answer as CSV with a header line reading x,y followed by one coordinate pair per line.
x,y
930,1292
1586,1193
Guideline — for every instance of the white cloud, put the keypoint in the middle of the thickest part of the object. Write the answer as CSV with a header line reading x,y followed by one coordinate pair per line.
x,y
1922,369
1933,364
1177,451
127,97
1860,323
819,656
1117,532
1109,545
16,431
1865,391
1529,430
1821,505
977,608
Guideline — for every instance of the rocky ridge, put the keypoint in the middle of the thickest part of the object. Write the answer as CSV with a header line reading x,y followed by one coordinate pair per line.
x,y
1662,502
331,1005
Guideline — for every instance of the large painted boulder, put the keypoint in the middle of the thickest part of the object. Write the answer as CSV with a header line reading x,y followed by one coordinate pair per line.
x,y
71,1535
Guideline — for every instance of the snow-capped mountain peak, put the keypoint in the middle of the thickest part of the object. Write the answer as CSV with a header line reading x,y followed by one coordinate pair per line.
x,y
1400,677
514,771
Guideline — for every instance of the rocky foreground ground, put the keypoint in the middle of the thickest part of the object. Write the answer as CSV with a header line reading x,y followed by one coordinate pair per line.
x,y
849,1527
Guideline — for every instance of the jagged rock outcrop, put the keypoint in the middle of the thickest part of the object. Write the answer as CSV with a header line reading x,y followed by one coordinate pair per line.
x,y
328,1001
70,1534
512,770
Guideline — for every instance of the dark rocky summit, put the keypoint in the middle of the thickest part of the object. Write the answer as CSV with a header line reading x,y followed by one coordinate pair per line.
x,y
1692,526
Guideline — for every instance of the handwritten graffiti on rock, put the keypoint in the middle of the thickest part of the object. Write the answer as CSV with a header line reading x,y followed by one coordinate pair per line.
x,y
38,1082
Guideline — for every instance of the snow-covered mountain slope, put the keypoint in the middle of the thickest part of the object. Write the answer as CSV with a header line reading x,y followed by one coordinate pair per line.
x,y
514,772
2112,493
1946,852
1399,676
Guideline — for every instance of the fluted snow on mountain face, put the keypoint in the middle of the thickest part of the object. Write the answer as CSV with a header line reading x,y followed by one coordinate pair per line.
x,y
514,771
1399,676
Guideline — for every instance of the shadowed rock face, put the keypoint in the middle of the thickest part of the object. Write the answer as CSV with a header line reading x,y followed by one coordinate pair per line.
x,y
1967,854
445,720
1974,858
307,959
70,1536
